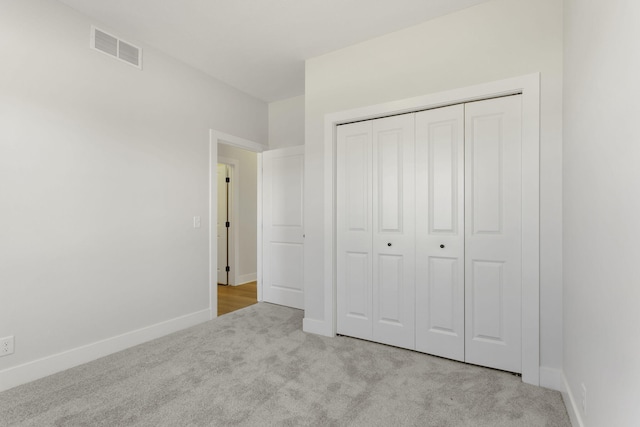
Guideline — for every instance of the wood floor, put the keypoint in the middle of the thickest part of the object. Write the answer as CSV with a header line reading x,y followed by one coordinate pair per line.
x,y
232,298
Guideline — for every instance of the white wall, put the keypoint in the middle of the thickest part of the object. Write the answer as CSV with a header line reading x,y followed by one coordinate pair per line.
x,y
245,180
102,168
286,122
494,40
601,209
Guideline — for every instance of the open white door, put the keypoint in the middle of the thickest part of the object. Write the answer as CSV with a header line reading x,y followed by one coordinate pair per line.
x,y
283,226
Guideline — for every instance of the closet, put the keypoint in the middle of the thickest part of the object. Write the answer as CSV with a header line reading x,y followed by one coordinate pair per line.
x,y
428,236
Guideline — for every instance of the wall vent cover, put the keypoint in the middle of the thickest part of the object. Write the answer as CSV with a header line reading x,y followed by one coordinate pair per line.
x,y
116,48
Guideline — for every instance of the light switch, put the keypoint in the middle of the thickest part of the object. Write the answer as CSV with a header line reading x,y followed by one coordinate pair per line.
x,y
196,222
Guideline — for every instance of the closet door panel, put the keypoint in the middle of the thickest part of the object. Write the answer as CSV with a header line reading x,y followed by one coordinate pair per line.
x,y
493,233
354,230
440,232
356,285
391,275
389,179
394,231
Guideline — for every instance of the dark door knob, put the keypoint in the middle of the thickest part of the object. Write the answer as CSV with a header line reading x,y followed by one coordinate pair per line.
x,y
441,246
388,244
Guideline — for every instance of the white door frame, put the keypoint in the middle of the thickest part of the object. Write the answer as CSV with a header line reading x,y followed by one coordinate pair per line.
x,y
529,87
216,137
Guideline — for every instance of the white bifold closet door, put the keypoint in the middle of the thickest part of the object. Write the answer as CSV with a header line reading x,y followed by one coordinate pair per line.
x,y
440,232
375,220
468,232
354,221
429,231
493,233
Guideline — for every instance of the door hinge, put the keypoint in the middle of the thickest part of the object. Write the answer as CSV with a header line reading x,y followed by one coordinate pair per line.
x,y
227,179
227,224
227,268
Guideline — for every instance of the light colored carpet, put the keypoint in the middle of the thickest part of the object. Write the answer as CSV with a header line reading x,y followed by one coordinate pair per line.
x,y
256,367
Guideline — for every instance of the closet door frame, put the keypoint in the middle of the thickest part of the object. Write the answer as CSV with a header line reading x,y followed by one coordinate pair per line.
x,y
529,87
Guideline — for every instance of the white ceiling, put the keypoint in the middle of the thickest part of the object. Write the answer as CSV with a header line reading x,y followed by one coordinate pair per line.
x,y
259,46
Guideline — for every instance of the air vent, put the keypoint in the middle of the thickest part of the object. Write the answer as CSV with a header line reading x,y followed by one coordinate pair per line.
x,y
113,46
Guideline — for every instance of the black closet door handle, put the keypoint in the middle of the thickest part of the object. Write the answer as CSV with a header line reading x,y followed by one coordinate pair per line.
x,y
441,246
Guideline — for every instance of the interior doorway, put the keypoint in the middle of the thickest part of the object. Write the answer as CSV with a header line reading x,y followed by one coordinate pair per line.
x,y
270,267
236,228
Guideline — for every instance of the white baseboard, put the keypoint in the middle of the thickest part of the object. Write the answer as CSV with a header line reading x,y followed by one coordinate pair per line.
x,y
40,368
318,327
551,378
245,278
571,404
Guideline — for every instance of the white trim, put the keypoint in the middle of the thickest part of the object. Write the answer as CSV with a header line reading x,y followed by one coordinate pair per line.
x,y
234,247
246,278
236,141
531,228
551,378
529,86
216,137
50,365
213,224
318,327
259,234
571,404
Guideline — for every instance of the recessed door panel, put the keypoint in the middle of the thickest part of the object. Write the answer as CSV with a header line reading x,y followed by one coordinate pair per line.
x,y
443,283
357,283
493,233
486,190
389,174
357,150
394,231
287,281
486,299
439,172
286,191
390,277
443,165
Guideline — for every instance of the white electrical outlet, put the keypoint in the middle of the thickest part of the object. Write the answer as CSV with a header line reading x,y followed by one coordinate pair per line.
x,y
6,346
583,389
196,222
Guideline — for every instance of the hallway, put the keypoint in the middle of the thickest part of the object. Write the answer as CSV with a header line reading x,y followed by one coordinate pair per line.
x,y
232,298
